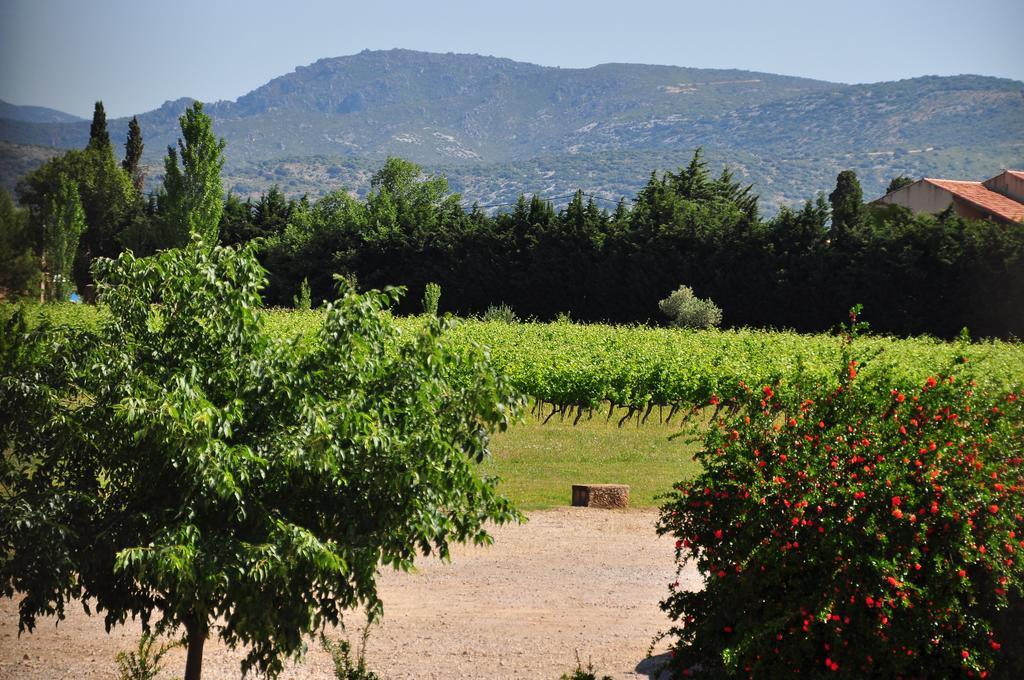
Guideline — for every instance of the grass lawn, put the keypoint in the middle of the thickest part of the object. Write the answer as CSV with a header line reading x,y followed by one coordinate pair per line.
x,y
538,463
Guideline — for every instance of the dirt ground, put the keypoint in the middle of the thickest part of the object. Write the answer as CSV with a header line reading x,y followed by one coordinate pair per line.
x,y
570,579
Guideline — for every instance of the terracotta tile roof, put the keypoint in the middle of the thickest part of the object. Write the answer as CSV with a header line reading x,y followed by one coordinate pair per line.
x,y
982,197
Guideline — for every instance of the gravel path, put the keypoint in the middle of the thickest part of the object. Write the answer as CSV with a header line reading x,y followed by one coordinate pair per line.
x,y
570,579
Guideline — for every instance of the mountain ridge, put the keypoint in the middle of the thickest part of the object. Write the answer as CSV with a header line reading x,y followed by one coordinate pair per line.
x,y
35,114
463,110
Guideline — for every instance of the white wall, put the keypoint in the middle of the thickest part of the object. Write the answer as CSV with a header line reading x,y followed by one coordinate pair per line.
x,y
921,196
1007,185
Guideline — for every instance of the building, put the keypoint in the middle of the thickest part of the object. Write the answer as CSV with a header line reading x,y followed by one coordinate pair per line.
x,y
1009,183
1000,199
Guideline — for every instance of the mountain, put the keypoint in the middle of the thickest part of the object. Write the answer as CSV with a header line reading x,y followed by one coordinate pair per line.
x,y
498,127
17,160
35,114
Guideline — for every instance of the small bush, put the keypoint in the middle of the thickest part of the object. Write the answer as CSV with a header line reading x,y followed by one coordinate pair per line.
x,y
582,673
145,662
686,310
858,531
431,297
303,299
501,312
345,668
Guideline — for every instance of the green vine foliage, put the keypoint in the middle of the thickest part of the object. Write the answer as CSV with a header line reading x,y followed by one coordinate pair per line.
x,y
183,465
856,530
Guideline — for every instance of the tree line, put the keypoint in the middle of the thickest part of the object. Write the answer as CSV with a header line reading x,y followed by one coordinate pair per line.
x,y
799,269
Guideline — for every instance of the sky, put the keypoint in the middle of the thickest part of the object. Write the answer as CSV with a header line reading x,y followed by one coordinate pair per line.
x,y
136,54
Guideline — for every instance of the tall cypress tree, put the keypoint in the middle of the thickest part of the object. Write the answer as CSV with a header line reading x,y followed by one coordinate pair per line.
x,y
98,135
847,201
133,154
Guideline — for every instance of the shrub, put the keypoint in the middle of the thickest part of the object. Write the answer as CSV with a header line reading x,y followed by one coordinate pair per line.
x,y
686,310
581,673
303,300
431,296
345,668
859,531
145,662
502,313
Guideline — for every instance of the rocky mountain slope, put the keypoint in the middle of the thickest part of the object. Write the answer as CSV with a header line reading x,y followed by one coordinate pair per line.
x,y
497,127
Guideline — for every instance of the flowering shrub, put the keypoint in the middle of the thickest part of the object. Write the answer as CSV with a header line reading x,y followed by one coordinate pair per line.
x,y
859,531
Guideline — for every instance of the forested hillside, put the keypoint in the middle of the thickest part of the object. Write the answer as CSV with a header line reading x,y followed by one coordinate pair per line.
x,y
498,127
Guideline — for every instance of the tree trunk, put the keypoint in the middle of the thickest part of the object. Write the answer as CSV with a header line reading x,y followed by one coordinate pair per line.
x,y
194,661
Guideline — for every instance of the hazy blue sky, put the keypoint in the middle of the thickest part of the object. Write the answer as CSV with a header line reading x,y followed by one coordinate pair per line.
x,y
136,54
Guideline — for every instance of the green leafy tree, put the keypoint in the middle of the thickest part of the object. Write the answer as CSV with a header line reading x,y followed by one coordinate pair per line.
x,y
99,137
192,199
405,206
313,245
185,465
270,214
19,267
107,197
847,201
65,224
133,155
142,235
236,221
898,182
